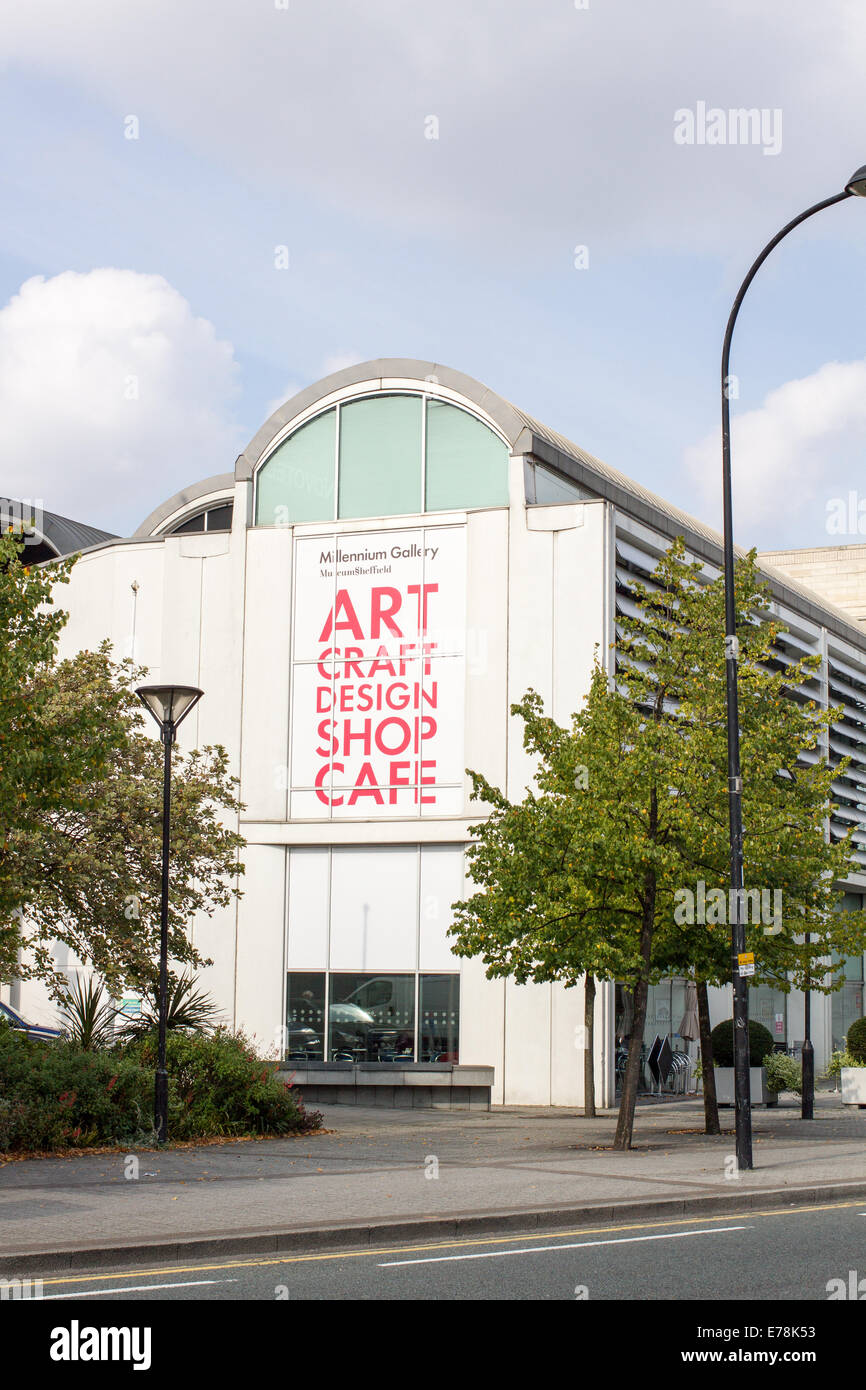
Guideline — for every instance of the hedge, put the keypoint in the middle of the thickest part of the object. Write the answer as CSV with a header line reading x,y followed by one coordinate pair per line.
x,y
760,1043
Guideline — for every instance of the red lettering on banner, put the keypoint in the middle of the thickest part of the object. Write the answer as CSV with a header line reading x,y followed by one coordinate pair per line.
x,y
375,702
385,665
322,776
366,786
323,732
422,590
379,614
333,622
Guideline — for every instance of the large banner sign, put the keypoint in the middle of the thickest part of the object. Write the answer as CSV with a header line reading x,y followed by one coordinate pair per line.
x,y
378,649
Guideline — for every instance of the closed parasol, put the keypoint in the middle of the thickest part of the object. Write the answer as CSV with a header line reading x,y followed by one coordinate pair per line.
x,y
690,1028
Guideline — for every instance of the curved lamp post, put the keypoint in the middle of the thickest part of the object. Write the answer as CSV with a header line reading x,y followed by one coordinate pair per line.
x,y
856,187
169,705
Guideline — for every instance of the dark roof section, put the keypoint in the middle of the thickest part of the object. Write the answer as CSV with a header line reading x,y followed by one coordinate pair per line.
x,y
64,536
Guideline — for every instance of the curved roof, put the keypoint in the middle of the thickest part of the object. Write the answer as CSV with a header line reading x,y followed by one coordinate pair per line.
x,y
218,483
525,435
64,536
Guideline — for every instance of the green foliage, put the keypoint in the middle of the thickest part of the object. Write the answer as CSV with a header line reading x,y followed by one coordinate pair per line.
x,y
838,1060
46,763
784,1073
88,867
223,1088
760,1043
628,813
856,1040
188,1009
87,1015
57,1096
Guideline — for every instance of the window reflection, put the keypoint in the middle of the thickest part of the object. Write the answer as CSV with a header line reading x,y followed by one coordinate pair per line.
x,y
372,1018
305,1017
439,1031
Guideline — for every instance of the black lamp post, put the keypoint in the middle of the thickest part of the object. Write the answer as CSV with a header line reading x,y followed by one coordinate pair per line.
x,y
169,705
856,186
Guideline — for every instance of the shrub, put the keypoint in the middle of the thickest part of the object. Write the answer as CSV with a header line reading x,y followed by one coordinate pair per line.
x,y
760,1043
187,1010
221,1087
88,1015
60,1096
57,1095
784,1073
839,1060
857,1041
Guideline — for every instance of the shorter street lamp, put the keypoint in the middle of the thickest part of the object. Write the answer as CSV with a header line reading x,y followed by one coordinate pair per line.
x,y
169,705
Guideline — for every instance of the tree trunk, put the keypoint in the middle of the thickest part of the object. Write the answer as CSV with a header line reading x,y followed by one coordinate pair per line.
x,y
589,1047
625,1119
711,1109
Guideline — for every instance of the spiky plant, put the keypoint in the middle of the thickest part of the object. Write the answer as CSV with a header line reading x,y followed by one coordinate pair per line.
x,y
188,1009
87,1014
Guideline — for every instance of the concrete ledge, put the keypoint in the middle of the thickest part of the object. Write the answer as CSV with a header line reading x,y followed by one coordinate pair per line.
x,y
35,1260
415,1085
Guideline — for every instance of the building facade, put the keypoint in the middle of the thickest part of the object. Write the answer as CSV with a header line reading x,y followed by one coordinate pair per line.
x,y
397,556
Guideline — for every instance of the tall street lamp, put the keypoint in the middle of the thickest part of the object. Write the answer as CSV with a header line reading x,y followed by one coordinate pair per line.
x,y
169,705
856,186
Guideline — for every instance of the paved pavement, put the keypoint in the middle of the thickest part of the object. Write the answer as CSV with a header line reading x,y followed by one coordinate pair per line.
x,y
392,1174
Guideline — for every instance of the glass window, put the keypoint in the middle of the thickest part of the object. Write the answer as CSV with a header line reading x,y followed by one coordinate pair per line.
x,y
770,1007
374,908
380,456
297,481
220,518
467,464
439,1008
847,1003
371,1018
551,487
305,1017
195,523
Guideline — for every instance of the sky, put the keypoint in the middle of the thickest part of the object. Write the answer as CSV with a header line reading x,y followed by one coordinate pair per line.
x,y
208,206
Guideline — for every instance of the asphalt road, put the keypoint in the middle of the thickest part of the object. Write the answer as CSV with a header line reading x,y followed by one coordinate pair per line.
x,y
755,1256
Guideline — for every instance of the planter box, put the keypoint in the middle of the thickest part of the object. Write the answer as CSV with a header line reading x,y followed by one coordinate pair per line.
x,y
760,1094
853,1081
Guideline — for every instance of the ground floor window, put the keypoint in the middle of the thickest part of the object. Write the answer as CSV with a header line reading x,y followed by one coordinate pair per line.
x,y
847,1003
351,1017
770,1007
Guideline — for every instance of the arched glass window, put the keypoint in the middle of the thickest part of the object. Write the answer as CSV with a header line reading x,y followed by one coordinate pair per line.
x,y
297,482
383,455
380,456
217,518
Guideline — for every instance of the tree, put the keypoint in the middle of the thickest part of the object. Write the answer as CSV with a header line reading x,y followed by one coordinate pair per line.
x,y
90,869
787,787
44,764
592,878
574,879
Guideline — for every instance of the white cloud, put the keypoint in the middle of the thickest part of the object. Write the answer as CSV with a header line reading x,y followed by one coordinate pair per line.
x,y
792,459
555,123
113,395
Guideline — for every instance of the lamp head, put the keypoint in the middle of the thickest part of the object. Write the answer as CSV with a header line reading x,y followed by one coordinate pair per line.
x,y
857,183
169,704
